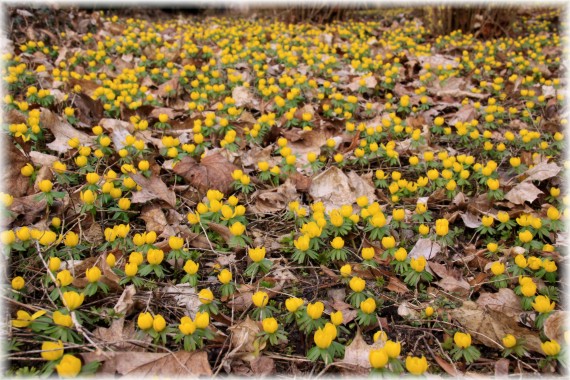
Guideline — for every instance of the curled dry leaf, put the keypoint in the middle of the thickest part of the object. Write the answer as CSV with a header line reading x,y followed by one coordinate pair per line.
x,y
213,172
119,130
426,248
244,339
155,219
523,192
490,326
17,184
244,97
504,301
185,296
334,188
146,364
355,359
541,171
470,220
273,200
62,131
555,325
262,366
152,188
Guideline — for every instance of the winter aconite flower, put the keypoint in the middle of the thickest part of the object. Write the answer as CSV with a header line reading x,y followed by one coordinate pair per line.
x,y
415,365
69,366
52,350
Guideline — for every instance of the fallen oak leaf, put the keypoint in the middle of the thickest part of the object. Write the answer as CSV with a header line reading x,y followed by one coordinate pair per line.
x,y
62,132
144,364
213,172
152,188
523,192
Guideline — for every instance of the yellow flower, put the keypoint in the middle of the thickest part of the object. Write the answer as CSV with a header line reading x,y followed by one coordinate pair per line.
x,y
380,336
69,366
191,267
378,358
27,170
509,341
553,213
88,197
487,220
93,274
550,347
187,326
52,350
124,203
498,268
415,365
260,299
61,319
73,300
337,317
144,321
398,214
202,320
429,311
18,283
270,325
71,239
368,253
525,236
315,310
357,284
225,276
45,186
441,227
23,318
206,296
323,339
388,242
302,243
337,243
256,254
175,242
368,306
64,277
423,229
237,229
393,348
158,323
463,340
293,304
131,269
345,270
155,256
418,264
400,254
493,184
542,304
110,260
163,118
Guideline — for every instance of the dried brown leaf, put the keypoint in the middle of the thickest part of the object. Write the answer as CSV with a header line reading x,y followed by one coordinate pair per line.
x,y
152,188
426,248
17,184
523,192
143,364
119,130
213,172
262,366
273,200
63,132
504,301
356,353
489,326
541,171
555,325
155,219
244,339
